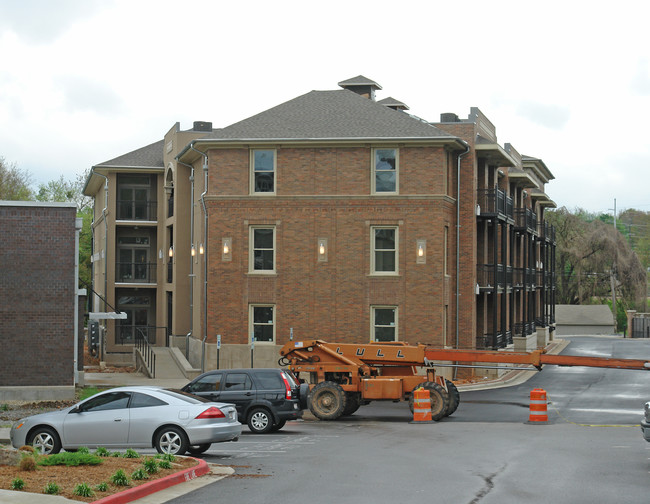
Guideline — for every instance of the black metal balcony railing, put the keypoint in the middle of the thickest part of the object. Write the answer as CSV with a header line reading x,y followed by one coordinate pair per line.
x,y
489,276
525,220
494,341
170,272
135,272
494,202
546,231
136,210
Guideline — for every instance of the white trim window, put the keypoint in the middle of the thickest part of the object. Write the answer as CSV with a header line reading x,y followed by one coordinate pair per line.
x,y
263,168
385,167
262,323
262,249
384,323
384,250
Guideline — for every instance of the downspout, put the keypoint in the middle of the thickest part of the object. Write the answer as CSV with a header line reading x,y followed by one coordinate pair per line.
x,y
77,228
189,334
458,245
205,258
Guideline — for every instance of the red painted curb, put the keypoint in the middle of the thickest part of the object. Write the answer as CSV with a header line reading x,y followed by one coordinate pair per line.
x,y
157,485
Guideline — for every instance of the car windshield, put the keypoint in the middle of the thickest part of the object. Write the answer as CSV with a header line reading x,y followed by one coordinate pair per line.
x,y
184,396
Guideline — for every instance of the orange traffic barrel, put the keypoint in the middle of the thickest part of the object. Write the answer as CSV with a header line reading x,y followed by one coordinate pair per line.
x,y
421,406
538,407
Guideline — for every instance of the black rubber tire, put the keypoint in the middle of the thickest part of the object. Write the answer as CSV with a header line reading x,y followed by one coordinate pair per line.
x,y
353,403
198,449
327,401
260,421
278,425
45,440
438,397
171,440
454,398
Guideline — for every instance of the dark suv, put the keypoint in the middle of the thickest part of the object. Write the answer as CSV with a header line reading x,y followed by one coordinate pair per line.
x,y
265,398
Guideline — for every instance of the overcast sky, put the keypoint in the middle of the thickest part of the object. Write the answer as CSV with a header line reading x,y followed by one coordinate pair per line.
x,y
84,81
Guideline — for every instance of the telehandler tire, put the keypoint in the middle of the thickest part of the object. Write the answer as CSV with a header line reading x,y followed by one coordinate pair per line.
x,y
327,401
438,397
454,398
353,403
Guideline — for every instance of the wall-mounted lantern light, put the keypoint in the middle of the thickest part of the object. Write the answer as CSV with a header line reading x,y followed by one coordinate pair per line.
x,y
226,249
171,251
201,251
420,251
321,245
193,250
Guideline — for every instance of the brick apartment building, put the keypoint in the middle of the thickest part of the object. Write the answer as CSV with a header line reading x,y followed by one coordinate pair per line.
x,y
331,216
39,313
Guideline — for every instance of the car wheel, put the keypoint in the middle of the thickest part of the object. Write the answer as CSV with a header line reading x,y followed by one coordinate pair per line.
x,y
171,440
260,421
45,440
198,449
278,426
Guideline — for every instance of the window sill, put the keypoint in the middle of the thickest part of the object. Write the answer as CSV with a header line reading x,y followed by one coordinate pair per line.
x,y
262,273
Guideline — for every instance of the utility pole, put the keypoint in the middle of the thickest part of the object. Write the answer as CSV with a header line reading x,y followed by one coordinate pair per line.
x,y
612,277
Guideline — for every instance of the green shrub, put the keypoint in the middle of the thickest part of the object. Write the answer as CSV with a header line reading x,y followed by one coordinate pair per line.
x,y
150,465
164,464
17,484
4,407
69,459
101,487
83,449
131,453
102,452
119,478
166,456
139,474
51,489
83,490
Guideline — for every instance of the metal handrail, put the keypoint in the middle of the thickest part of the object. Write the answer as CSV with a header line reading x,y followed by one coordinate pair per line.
x,y
145,349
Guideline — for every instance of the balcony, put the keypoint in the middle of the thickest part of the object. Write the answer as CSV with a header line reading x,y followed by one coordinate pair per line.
x,y
488,277
494,203
128,272
525,220
136,210
546,231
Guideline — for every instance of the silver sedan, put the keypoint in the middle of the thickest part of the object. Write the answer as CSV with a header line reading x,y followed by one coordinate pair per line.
x,y
132,417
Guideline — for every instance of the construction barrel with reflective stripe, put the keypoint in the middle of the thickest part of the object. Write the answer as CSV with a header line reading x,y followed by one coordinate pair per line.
x,y
538,407
421,406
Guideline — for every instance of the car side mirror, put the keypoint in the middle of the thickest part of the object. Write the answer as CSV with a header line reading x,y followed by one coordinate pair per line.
x,y
76,409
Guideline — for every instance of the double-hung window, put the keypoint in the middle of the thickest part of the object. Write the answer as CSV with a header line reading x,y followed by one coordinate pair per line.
x,y
384,323
263,171
262,323
262,253
385,171
384,250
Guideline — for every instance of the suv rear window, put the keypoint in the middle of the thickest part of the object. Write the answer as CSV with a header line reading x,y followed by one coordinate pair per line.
x,y
270,380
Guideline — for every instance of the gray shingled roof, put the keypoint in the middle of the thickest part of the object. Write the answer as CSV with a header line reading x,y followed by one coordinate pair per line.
x,y
339,114
150,156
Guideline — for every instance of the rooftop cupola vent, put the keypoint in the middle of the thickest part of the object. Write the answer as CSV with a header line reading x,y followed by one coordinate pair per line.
x,y
362,86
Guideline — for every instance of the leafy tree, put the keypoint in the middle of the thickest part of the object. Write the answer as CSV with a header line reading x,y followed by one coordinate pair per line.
x,y
14,183
593,260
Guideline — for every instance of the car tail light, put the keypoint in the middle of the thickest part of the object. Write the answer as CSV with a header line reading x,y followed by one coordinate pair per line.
x,y
211,412
287,385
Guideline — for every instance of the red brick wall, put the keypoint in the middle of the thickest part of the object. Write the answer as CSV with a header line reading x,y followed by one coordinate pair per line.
x,y
37,295
331,300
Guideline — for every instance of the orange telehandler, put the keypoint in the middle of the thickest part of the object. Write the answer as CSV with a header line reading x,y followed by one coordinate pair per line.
x,y
343,376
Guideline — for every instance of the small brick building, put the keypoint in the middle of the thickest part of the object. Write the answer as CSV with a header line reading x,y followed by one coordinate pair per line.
x,y
38,281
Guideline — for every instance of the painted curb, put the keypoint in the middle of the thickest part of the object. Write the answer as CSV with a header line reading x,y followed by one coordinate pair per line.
x,y
157,485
